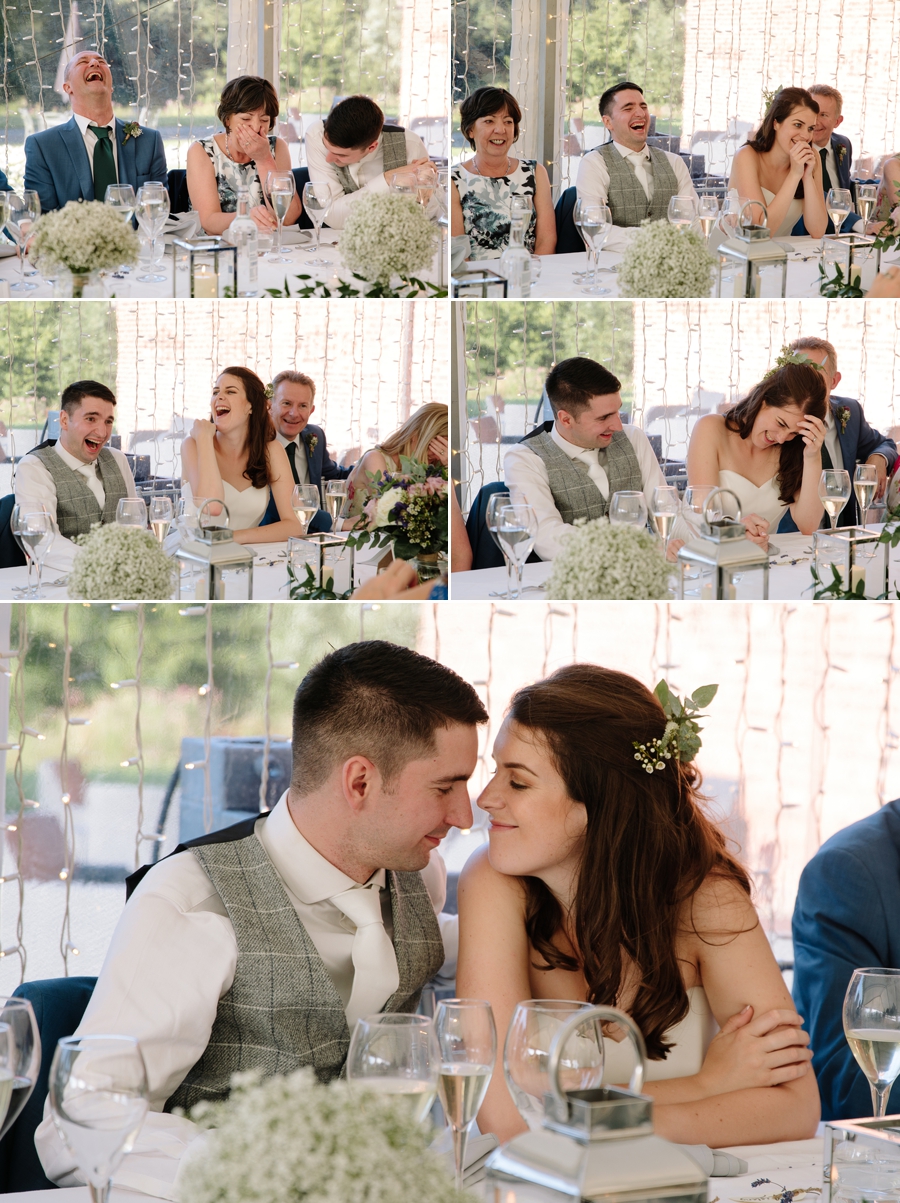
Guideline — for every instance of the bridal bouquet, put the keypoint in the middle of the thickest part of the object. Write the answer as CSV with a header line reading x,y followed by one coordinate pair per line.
x,y
120,563
290,1139
602,562
84,236
409,508
388,235
663,261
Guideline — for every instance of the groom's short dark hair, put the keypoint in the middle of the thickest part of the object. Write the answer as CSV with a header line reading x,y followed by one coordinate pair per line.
x,y
374,699
73,394
608,98
573,382
354,123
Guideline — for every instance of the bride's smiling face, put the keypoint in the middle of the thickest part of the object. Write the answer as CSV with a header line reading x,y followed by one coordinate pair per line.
x,y
230,407
536,829
775,426
798,127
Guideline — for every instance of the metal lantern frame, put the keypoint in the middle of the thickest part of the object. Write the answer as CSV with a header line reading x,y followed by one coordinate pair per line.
x,y
853,254
326,541
189,254
213,550
854,550
476,285
724,549
750,250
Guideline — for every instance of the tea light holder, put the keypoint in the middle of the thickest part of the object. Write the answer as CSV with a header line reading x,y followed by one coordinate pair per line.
x,y
857,555
333,561
203,268
855,254
211,566
721,558
478,284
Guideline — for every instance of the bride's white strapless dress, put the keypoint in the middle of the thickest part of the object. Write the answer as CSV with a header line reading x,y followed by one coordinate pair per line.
x,y
246,507
794,213
762,500
691,1038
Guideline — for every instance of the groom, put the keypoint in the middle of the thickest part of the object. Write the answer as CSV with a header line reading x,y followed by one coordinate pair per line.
x,y
258,947
93,149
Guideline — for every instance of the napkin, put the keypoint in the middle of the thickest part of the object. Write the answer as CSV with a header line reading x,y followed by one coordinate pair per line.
x,y
715,1163
460,250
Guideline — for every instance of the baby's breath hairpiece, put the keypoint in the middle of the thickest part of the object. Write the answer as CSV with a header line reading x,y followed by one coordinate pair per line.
x,y
789,358
681,738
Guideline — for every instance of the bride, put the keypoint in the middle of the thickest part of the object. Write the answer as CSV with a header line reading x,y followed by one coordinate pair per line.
x,y
237,459
607,883
781,167
754,450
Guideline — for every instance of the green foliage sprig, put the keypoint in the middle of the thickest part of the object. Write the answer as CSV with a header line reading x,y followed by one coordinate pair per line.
x,y
410,286
306,589
837,286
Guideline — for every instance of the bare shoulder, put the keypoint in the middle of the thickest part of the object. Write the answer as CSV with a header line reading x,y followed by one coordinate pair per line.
x,y
540,172
746,156
481,884
719,910
710,430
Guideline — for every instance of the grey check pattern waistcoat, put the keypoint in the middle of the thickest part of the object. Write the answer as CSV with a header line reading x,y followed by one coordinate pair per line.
x,y
393,144
574,493
282,1010
626,198
77,509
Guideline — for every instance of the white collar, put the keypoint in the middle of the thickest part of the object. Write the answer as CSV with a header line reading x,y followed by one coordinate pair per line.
x,y
589,454
829,416
625,151
287,442
73,462
83,122
304,871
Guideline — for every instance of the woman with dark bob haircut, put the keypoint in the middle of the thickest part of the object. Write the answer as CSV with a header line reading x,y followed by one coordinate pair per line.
x,y
781,167
236,458
243,154
767,450
607,882
483,185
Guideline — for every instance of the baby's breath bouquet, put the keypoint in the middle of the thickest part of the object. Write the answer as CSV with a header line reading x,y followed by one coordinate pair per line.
x,y
387,235
120,563
84,236
663,261
602,562
291,1140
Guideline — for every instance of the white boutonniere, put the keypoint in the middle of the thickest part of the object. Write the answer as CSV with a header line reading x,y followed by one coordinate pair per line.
x,y
841,153
843,416
312,442
131,129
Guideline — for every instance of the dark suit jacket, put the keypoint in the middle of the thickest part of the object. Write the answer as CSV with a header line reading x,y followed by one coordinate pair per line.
x,y
321,465
843,156
58,168
858,441
845,918
4,182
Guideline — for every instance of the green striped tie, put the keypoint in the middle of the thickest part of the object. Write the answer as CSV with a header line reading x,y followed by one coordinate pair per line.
x,y
104,163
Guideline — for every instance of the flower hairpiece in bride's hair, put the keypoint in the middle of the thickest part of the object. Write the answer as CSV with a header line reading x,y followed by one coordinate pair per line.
x,y
789,358
681,738
270,392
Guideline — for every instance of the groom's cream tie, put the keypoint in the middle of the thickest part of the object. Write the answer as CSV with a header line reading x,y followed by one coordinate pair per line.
x,y
375,973
643,170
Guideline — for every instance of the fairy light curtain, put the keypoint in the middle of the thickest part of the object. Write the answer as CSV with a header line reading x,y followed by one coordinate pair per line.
x,y
676,360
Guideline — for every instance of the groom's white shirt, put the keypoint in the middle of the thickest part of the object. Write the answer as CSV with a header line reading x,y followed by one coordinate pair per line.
x,y
301,459
526,478
592,182
172,957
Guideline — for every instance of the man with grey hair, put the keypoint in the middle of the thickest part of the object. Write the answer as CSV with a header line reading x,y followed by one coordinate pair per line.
x,y
260,946
836,153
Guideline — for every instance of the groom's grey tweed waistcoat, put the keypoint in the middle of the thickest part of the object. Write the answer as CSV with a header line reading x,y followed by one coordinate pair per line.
x,y
574,493
282,1010
77,509
393,146
626,198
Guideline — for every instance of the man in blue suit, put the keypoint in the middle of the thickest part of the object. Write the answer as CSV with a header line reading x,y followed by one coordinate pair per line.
x,y
836,153
849,439
845,919
4,183
93,149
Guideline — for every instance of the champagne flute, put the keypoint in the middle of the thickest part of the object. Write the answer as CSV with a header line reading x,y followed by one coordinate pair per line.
x,y
839,204
865,482
24,211
305,504
132,511
664,506
834,492
396,1054
336,493
162,511
151,209
316,202
496,502
872,1028
708,213
866,196
36,533
681,212
98,1099
517,532
280,189
628,507
468,1047
527,1050
24,1062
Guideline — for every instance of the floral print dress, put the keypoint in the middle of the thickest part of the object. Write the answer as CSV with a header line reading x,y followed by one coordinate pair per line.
x,y
230,175
485,207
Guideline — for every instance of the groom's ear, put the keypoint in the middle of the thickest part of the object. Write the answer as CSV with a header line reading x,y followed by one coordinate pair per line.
x,y
835,380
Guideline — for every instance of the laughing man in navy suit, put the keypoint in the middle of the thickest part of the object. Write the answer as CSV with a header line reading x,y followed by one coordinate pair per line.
x,y
93,149
836,153
849,439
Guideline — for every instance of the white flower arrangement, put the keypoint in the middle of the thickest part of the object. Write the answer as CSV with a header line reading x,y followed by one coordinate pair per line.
x,y
603,562
120,563
84,236
663,261
387,235
289,1139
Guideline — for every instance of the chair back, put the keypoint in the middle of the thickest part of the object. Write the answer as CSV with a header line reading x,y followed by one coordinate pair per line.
x,y
568,240
59,1005
301,177
179,198
11,554
485,552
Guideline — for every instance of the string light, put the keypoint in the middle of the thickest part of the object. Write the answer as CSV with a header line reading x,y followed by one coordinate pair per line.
x,y
65,944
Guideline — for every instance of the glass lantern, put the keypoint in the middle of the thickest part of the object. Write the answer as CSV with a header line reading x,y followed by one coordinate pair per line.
x,y
721,558
855,254
204,268
856,554
595,1144
331,558
211,566
750,264
484,284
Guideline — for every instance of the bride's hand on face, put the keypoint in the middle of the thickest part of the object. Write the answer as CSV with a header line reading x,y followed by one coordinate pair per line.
x,y
813,432
203,431
802,160
749,1052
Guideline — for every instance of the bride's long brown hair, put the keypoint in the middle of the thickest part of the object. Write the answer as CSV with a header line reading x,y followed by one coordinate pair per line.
x,y
648,846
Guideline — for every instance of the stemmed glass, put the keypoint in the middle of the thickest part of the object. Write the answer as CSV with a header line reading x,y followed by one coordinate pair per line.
x,y
497,502
866,196
406,184
593,223
708,213
865,482
516,532
664,506
132,511
396,1054
152,212
162,511
468,1046
121,198
839,204
527,1050
872,1028
36,534
24,1061
693,505
280,189
316,202
305,504
335,495
98,1099
834,492
16,524
24,211
628,507
425,181
681,212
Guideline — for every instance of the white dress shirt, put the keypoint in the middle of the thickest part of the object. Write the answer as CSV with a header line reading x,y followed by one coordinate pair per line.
x,y
301,459
368,173
36,490
526,477
172,957
592,182
859,227
832,442
90,139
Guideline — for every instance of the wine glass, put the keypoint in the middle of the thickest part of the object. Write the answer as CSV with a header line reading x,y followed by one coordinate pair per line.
x,y
468,1046
839,204
664,507
316,202
872,1028
730,214
693,505
36,533
162,511
834,492
24,211
121,198
335,495
681,212
497,502
594,223
16,523
425,185
305,504
280,189
517,532
527,1050
405,183
151,209
708,212
865,482
98,1099
132,511
396,1054
24,1062
628,507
